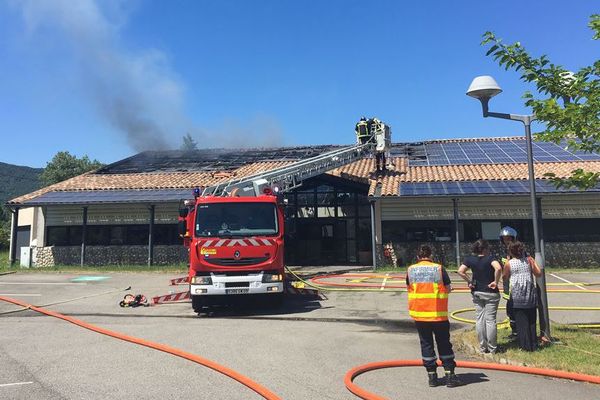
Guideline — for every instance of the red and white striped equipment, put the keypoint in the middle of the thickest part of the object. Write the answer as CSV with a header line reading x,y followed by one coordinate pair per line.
x,y
180,281
240,242
171,297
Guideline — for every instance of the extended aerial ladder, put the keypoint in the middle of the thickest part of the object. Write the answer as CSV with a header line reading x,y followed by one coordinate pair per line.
x,y
288,177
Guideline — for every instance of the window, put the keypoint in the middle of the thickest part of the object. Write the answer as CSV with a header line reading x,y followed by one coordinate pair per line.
x,y
166,235
490,230
326,212
57,236
116,235
417,231
236,219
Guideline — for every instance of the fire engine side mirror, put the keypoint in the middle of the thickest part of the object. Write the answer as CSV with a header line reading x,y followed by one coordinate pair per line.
x,y
182,227
183,212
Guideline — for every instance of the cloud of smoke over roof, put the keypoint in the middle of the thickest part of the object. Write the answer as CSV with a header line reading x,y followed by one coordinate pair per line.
x,y
137,92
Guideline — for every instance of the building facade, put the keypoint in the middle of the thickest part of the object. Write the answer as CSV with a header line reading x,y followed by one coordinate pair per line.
x,y
448,193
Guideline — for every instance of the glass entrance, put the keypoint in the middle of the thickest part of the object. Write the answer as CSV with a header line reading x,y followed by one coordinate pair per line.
x,y
328,223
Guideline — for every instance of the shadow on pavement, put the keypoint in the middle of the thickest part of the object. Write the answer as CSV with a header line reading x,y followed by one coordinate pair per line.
x,y
472,377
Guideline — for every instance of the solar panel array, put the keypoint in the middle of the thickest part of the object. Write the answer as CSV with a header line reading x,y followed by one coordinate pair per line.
x,y
496,152
479,188
112,196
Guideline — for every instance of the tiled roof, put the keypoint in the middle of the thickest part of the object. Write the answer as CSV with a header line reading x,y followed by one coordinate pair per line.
x,y
362,171
156,180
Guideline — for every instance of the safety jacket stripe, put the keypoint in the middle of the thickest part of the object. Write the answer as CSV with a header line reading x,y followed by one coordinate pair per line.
x,y
437,295
428,314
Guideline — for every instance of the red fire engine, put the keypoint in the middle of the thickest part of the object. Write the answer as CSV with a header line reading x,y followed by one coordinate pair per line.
x,y
234,231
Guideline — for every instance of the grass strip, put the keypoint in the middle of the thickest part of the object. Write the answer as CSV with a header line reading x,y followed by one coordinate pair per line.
x,y
575,350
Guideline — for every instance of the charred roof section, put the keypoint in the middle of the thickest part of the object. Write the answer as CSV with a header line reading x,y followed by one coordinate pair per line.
x,y
210,160
207,160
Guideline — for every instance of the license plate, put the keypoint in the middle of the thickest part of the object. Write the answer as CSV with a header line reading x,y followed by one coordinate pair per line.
x,y
236,291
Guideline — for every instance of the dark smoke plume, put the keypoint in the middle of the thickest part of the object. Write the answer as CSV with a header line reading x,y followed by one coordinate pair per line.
x,y
136,92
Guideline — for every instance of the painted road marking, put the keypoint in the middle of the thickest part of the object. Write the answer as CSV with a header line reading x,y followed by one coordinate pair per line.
x,y
384,281
359,280
15,384
87,278
567,281
42,283
21,294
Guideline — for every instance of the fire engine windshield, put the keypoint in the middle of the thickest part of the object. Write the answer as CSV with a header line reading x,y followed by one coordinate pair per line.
x,y
236,219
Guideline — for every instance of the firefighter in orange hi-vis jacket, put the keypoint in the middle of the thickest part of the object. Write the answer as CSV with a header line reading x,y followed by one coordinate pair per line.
x,y
428,287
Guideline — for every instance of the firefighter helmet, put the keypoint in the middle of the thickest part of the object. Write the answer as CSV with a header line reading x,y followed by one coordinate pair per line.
x,y
508,231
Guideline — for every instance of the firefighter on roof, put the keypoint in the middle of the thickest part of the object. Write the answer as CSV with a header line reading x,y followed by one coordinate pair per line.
x,y
362,130
373,130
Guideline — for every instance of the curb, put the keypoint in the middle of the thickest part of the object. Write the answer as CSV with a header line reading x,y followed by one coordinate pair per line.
x,y
473,351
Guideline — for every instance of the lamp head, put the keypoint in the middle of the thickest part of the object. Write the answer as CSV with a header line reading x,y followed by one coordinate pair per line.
x,y
483,88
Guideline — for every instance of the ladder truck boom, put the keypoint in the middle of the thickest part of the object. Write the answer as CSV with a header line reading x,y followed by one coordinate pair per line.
x,y
291,176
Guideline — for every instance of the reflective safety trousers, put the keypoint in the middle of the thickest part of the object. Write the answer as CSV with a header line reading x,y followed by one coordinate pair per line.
x,y
427,294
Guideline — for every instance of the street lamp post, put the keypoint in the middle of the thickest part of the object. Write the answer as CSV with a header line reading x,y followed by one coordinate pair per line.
x,y
483,88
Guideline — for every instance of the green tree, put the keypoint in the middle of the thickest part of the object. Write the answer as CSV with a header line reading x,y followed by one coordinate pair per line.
x,y
64,165
4,236
189,144
567,103
4,229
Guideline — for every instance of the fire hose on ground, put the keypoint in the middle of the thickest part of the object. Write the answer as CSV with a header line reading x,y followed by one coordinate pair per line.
x,y
351,287
350,375
264,392
366,395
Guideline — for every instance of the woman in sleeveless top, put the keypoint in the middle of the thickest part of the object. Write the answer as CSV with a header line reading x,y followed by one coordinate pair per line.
x,y
521,269
484,289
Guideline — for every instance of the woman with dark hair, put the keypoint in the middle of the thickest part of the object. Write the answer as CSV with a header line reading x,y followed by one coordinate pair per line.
x,y
486,273
520,269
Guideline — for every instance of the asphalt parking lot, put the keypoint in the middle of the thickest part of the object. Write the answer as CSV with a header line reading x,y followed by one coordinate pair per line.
x,y
299,351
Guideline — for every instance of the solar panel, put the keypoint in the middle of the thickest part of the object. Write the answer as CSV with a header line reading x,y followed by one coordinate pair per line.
x,y
498,152
471,188
111,196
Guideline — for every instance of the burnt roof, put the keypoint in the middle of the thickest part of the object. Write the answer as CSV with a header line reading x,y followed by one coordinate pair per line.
x,y
207,160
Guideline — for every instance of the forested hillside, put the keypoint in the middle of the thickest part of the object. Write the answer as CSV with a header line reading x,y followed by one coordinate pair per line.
x,y
16,180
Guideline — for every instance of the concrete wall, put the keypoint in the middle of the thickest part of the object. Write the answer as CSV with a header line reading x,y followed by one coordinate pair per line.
x,y
563,254
109,255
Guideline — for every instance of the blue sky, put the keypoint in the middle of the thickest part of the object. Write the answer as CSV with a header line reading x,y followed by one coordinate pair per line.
x,y
111,78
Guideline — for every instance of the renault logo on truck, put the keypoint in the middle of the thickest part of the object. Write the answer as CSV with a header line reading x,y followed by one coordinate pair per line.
x,y
236,255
